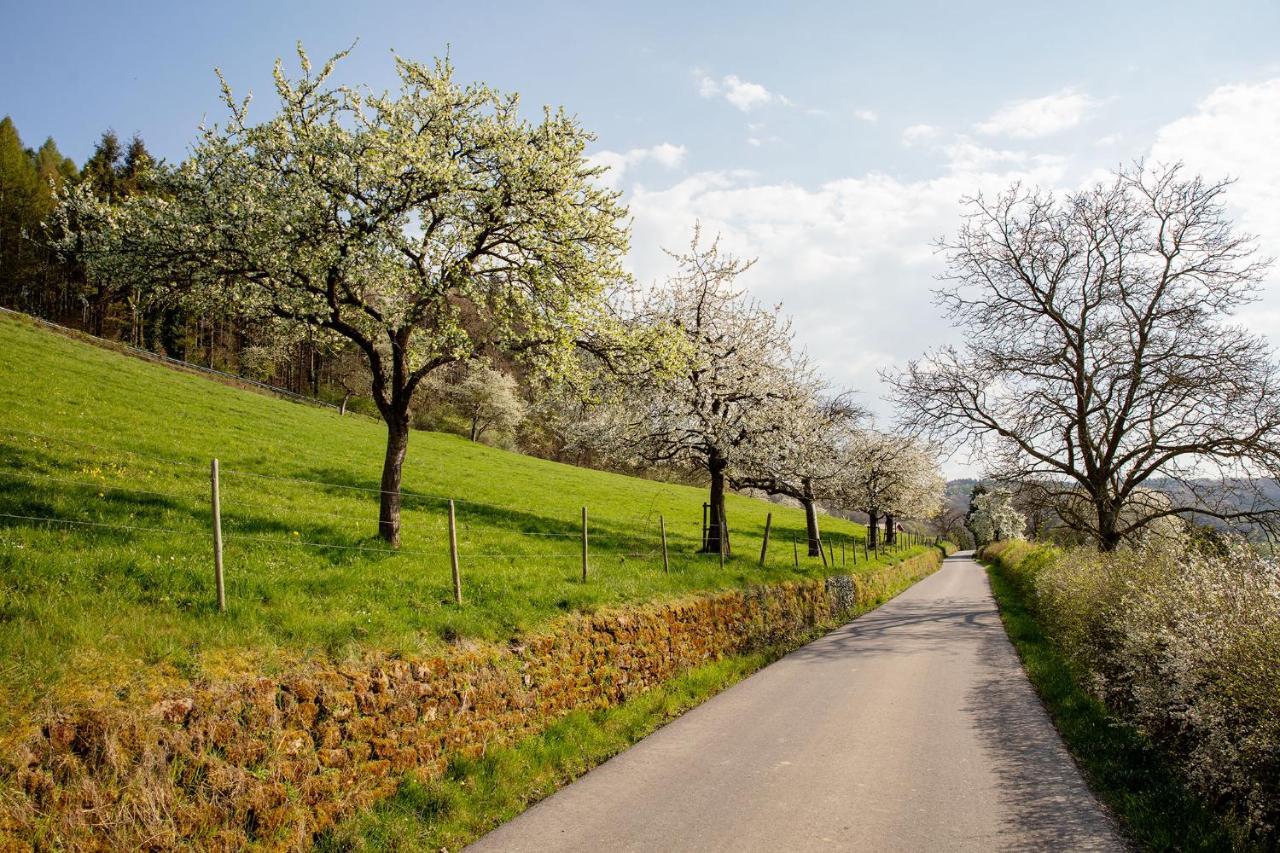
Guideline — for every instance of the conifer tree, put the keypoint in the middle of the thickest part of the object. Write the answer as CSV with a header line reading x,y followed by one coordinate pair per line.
x,y
18,193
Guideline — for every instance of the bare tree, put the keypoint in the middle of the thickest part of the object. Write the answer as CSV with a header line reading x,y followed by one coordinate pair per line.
x,y
1100,353
348,371
949,523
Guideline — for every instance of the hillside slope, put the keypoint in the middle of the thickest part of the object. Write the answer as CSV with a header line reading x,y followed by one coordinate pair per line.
x,y
119,604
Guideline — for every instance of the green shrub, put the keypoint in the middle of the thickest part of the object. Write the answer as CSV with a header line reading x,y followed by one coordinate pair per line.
x,y
1181,642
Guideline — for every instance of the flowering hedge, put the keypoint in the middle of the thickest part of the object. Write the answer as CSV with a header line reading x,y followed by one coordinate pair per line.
x,y
1183,643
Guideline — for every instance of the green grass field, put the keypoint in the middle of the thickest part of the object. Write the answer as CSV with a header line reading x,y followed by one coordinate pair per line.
x,y
121,604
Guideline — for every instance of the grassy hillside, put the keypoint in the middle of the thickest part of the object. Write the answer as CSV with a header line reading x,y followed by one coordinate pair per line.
x,y
121,604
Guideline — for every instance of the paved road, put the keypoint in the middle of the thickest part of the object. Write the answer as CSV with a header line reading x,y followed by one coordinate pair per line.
x,y
911,728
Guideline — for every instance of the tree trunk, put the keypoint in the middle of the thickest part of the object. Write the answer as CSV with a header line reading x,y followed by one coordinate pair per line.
x,y
873,528
716,466
475,425
890,528
389,506
811,521
342,410
1108,522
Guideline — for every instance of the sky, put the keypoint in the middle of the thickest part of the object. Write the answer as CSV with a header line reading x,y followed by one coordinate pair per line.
x,y
831,141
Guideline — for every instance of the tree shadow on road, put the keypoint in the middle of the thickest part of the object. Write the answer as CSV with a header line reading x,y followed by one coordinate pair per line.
x,y
912,624
1045,797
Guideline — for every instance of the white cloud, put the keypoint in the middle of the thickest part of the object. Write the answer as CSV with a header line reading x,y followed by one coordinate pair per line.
x,y
1037,117
1233,133
869,116
665,154
851,259
1108,140
742,94
966,156
918,133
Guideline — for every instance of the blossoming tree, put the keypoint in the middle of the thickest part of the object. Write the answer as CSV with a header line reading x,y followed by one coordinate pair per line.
x,y
805,460
723,395
427,226
888,477
994,517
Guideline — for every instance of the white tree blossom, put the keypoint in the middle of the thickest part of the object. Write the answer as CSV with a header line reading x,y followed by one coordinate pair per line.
x,y
889,476
805,462
428,226
733,391
489,399
995,519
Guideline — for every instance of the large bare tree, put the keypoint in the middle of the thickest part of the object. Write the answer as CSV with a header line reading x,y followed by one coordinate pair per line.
x,y
1101,354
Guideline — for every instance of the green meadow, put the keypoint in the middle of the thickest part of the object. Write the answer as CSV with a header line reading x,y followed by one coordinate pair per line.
x,y
114,597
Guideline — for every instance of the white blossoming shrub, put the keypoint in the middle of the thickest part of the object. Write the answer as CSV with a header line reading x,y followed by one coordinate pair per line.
x,y
1183,642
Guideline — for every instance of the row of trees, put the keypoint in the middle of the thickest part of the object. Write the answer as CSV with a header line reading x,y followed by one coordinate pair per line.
x,y
34,277
53,282
30,179
380,239
424,232
746,407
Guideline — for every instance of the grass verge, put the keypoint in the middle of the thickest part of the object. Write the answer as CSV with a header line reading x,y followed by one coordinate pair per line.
x,y
1155,810
476,795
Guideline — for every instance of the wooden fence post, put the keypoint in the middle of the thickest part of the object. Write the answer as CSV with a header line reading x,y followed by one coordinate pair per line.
x,y
584,544
724,536
662,526
822,552
795,549
706,538
842,559
764,548
831,552
216,502
453,554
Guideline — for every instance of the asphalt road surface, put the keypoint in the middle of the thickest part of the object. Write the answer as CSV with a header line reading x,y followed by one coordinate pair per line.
x,y
910,728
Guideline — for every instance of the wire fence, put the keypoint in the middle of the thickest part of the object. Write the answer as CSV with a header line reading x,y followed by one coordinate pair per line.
x,y
234,507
